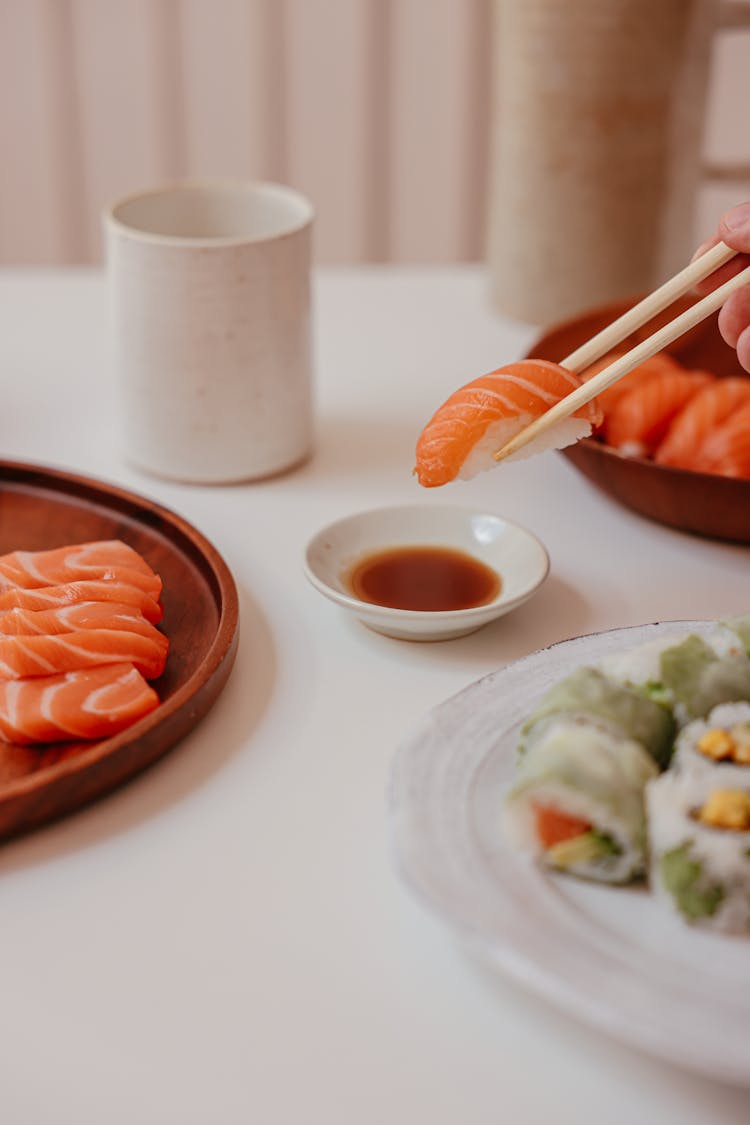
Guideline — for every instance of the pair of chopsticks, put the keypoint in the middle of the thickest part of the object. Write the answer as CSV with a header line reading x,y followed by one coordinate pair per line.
x,y
614,333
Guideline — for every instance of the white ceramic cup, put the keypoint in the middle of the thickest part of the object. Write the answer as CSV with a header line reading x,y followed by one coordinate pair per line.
x,y
210,313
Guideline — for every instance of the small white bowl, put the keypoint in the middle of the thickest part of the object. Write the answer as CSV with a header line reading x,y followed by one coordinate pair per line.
x,y
517,556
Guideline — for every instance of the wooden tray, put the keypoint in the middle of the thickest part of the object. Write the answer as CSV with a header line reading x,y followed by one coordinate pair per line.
x,y
700,503
42,508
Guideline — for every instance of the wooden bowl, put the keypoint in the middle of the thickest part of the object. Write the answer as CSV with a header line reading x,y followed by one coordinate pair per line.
x,y
699,503
42,508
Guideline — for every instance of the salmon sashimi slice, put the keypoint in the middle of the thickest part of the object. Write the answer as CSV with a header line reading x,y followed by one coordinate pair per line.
x,y
482,416
654,368
72,593
700,418
727,450
639,420
85,648
89,703
70,618
103,559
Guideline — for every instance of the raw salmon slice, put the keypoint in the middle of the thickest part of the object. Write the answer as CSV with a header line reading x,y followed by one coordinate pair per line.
x,y
85,648
654,368
89,703
639,420
105,559
727,450
70,618
700,419
482,416
72,593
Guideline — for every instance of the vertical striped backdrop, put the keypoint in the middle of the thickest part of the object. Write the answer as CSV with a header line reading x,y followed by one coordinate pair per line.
x,y
378,109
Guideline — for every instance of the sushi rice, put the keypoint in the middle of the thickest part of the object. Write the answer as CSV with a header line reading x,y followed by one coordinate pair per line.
x,y
588,772
708,747
690,674
702,871
589,797
565,432
587,692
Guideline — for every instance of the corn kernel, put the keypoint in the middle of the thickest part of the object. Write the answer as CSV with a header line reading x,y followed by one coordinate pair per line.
x,y
716,744
741,735
742,753
727,808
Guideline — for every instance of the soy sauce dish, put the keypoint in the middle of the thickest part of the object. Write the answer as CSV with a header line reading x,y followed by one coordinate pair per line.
x,y
426,572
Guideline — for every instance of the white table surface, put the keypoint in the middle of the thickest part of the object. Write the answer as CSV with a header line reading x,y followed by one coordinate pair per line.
x,y
224,939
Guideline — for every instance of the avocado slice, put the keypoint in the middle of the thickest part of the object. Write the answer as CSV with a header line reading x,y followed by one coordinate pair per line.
x,y
682,877
586,848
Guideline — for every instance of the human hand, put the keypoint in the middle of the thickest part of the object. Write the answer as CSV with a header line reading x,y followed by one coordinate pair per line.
x,y
734,315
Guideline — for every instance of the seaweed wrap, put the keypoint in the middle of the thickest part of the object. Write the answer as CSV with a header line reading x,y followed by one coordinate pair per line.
x,y
699,833
640,668
689,674
717,746
700,673
589,693
577,802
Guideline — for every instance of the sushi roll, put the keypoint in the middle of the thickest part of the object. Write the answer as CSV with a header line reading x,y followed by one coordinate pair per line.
x,y
717,747
700,673
577,802
481,417
699,834
739,627
589,693
640,668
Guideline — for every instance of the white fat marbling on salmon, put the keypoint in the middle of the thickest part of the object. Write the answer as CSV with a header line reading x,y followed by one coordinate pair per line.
x,y
12,693
89,703
85,648
108,560
97,704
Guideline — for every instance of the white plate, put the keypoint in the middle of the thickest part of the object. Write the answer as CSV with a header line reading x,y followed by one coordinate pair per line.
x,y
506,547
610,956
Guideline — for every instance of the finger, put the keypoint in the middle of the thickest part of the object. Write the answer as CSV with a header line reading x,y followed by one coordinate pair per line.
x,y
734,316
706,245
734,228
743,349
723,273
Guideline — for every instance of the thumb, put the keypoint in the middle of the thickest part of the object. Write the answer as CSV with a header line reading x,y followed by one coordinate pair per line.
x,y
734,228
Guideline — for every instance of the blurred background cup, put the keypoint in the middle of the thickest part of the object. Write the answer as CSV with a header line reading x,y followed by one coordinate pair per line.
x,y
209,287
597,147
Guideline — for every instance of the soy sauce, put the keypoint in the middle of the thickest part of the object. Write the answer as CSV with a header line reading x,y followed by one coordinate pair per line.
x,y
424,578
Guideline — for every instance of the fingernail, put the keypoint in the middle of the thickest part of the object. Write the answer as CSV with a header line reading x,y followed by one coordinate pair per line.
x,y
738,217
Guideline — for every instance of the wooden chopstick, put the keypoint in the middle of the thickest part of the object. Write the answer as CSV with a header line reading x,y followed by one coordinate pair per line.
x,y
625,363
641,313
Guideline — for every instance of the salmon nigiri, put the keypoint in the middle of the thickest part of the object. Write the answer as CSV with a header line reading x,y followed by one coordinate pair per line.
x,y
637,423
699,419
72,593
482,416
85,648
68,619
89,703
102,559
727,450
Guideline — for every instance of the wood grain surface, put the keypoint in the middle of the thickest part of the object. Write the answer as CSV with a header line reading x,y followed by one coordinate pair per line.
x,y
699,503
41,508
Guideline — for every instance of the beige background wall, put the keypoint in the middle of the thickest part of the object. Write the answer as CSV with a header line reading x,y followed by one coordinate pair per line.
x,y
378,109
